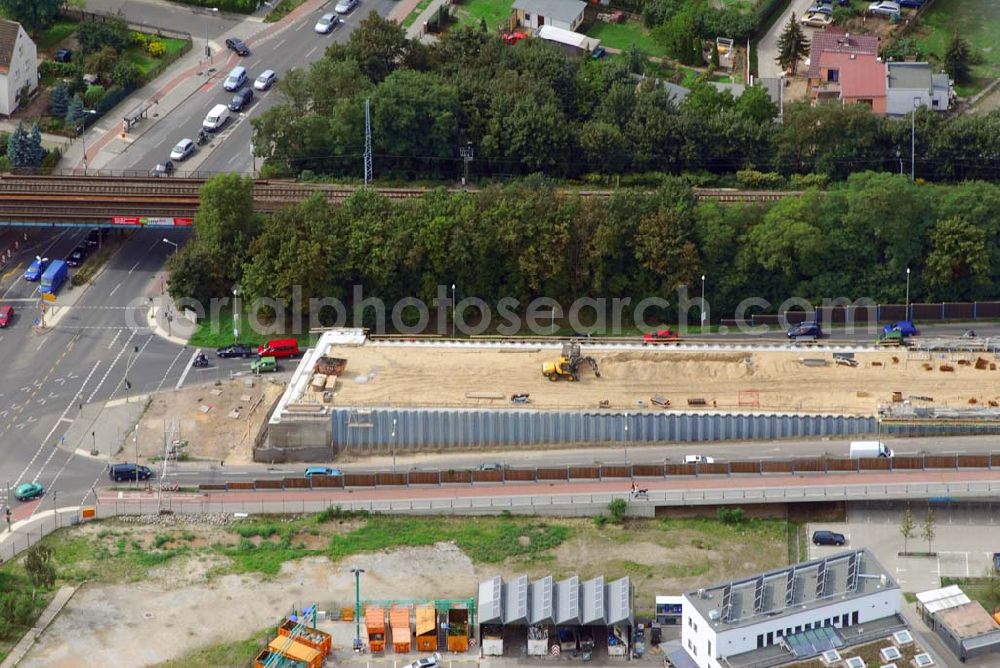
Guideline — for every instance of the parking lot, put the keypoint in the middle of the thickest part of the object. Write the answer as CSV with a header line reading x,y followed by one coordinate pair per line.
x,y
966,538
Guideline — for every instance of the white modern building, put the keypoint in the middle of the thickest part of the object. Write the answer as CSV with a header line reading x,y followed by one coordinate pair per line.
x,y
798,612
911,85
18,65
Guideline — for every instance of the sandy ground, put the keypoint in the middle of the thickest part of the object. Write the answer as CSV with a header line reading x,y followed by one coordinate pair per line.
x,y
213,434
415,376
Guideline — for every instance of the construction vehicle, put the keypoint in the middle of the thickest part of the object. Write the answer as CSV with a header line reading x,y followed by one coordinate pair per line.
x,y
568,365
893,338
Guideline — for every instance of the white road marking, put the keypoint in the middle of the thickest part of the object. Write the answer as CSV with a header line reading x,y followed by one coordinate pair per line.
x,y
115,338
187,369
278,45
115,289
311,52
167,372
133,267
41,344
112,366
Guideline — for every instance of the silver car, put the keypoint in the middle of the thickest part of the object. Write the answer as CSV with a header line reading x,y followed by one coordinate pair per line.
x,y
326,23
885,8
265,80
183,150
345,6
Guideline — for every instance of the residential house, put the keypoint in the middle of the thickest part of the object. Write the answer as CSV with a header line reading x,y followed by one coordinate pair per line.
x,y
789,614
564,14
911,85
849,78
18,65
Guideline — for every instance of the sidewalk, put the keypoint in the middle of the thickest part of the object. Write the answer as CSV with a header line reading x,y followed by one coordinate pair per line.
x,y
183,79
20,650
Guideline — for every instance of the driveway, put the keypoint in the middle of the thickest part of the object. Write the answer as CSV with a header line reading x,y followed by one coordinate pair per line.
x,y
767,47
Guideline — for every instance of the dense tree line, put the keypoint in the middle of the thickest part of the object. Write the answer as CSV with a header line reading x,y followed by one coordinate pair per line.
x,y
530,108
527,240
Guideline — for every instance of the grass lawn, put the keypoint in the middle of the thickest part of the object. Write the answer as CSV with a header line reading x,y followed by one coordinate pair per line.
x,y
146,62
219,333
239,653
495,12
279,12
976,20
54,34
624,35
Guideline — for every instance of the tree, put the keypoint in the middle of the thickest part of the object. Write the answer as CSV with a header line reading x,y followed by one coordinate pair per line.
x,y
906,528
618,509
377,44
93,36
957,58
34,146
927,529
636,61
102,62
792,45
34,15
75,112
125,74
18,148
959,257
59,101
37,562
756,105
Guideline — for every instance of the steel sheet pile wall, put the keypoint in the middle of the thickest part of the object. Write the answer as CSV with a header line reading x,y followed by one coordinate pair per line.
x,y
418,428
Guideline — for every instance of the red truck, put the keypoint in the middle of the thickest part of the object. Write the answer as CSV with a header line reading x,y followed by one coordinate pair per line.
x,y
661,336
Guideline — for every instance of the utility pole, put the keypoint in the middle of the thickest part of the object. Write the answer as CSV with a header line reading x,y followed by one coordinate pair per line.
x,y
368,142
467,153
393,445
913,140
357,607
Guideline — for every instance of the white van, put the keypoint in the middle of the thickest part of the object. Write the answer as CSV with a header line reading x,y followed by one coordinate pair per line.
x,y
216,118
236,79
864,449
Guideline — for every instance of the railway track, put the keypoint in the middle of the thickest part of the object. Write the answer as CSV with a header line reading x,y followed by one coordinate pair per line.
x,y
95,197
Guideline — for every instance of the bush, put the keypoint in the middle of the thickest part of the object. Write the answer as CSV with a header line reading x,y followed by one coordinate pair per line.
x,y
114,95
752,179
804,181
600,520
730,515
51,68
94,36
138,38
50,160
93,95
156,49
618,508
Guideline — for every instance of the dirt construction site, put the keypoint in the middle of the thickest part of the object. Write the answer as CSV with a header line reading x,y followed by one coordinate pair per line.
x,y
811,380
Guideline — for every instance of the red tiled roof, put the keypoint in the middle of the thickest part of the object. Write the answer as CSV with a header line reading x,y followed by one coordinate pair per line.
x,y
860,75
835,40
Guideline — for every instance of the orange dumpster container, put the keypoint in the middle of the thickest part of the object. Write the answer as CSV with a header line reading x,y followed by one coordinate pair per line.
x,y
318,640
375,625
295,650
427,637
264,659
458,630
399,622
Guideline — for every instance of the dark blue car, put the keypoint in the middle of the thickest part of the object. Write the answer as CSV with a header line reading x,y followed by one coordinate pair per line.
x,y
915,4
805,329
904,327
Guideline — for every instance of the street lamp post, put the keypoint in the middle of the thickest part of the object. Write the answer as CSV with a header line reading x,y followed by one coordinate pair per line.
x,y
907,294
899,156
393,445
236,314
357,607
135,436
703,303
83,136
626,440
453,310
208,49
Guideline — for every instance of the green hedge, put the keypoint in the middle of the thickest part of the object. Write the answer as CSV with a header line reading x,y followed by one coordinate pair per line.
x,y
241,6
59,70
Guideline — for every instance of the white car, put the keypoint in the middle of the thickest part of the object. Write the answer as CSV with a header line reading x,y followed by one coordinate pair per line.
x,y
265,80
427,662
326,23
183,150
885,8
698,459
816,20
345,6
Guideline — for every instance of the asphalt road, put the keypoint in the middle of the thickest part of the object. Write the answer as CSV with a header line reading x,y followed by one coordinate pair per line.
x,y
194,20
767,47
230,150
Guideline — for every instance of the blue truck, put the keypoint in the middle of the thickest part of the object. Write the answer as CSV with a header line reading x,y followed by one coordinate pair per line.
x,y
35,269
53,276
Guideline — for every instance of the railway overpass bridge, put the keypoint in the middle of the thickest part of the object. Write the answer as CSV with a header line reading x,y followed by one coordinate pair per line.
x,y
130,201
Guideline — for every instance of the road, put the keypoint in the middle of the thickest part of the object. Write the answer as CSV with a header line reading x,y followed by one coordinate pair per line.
x,y
767,47
200,23
230,150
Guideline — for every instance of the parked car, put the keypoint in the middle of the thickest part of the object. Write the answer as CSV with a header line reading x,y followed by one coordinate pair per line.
x,y
78,255
323,470
183,150
819,8
490,466
885,8
265,80
163,169
661,336
426,662
236,45
904,327
805,329
327,23
6,314
598,53
345,6
28,490
828,538
698,459
241,99
64,56
235,350
913,4
817,20
119,472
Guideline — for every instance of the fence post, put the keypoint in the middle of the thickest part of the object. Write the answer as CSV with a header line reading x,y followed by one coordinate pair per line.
x,y
974,310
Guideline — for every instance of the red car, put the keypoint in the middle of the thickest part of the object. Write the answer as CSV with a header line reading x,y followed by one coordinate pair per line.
x,y
661,336
6,315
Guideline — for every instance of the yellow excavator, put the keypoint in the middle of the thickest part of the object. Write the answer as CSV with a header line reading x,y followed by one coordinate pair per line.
x,y
567,367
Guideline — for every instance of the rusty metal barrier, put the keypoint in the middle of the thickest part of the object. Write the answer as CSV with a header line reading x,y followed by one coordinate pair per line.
x,y
553,474
425,477
647,470
326,481
584,473
456,476
359,480
625,472
394,479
